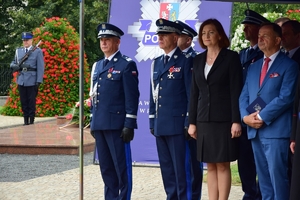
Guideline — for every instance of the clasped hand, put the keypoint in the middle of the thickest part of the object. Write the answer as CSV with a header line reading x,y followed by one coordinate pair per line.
x,y
253,121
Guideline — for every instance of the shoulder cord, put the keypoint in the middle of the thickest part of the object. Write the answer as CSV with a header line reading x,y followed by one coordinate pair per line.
x,y
154,91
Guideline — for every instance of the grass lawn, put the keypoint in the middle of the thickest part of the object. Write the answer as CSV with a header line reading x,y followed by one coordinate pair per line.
x,y
235,178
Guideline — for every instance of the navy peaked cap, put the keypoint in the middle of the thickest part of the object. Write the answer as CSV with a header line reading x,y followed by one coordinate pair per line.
x,y
253,17
109,30
27,35
166,26
187,30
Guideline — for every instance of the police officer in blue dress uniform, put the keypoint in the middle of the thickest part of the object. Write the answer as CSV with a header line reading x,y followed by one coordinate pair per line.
x,y
30,76
246,163
169,96
184,43
115,96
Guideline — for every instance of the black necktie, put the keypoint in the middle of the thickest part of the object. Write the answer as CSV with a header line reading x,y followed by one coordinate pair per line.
x,y
250,51
105,62
166,59
287,53
26,50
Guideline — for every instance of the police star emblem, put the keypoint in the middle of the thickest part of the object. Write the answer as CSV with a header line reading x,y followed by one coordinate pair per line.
x,y
103,26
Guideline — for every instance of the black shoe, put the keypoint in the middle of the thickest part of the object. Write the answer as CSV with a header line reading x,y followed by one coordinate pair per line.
x,y
31,120
26,121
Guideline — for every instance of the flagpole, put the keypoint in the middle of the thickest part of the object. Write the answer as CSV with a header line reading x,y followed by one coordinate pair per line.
x,y
81,95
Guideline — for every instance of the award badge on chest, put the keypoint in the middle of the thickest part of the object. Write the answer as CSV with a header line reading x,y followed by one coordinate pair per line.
x,y
170,75
109,72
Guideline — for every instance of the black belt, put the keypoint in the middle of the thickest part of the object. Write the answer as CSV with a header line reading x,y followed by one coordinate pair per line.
x,y
25,69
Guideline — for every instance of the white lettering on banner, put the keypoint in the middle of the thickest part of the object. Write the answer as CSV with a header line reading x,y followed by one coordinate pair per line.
x,y
144,103
144,110
144,107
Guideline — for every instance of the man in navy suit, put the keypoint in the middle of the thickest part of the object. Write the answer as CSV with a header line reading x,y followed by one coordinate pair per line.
x,y
273,79
246,163
291,44
30,76
115,96
185,41
291,39
169,97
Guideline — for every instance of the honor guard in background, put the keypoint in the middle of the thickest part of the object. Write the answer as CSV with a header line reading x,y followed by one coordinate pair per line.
x,y
184,43
29,62
249,55
115,95
169,97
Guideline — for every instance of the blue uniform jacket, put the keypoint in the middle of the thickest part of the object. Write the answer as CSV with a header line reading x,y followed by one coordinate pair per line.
x,y
115,94
247,61
169,115
36,61
192,52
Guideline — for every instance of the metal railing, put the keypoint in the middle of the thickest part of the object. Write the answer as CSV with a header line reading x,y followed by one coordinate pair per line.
x,y
5,78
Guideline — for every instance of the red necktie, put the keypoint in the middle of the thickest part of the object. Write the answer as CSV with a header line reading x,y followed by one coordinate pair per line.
x,y
264,70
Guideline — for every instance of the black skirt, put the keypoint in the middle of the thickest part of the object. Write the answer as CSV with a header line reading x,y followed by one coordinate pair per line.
x,y
214,142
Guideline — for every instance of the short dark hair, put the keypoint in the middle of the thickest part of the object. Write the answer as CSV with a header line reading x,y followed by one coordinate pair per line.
x,y
223,42
294,24
281,19
276,28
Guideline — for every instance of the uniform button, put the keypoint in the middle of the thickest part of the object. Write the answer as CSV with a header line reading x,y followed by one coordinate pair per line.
x,y
160,88
161,79
98,85
112,78
118,112
98,93
97,100
100,78
182,115
159,106
159,97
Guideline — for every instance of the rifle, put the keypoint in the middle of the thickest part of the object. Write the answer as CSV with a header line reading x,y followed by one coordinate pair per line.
x,y
17,67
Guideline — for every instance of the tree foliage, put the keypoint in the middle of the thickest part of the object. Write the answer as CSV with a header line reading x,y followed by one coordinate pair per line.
x,y
6,27
21,17
238,13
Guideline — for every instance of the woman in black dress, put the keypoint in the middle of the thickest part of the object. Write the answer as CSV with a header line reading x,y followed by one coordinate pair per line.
x,y
214,115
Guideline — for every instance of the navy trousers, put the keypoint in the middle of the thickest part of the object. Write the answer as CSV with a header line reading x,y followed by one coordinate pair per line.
x,y
115,164
172,159
247,169
28,101
195,175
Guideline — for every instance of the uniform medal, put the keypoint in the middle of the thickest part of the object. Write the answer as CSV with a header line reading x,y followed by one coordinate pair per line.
x,y
171,70
109,72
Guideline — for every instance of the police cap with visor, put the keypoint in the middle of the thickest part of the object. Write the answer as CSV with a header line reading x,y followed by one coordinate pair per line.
x,y
106,30
253,17
165,26
26,36
187,30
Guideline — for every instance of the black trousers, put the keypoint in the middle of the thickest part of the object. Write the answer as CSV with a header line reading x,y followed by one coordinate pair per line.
x,y
28,101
